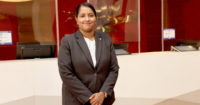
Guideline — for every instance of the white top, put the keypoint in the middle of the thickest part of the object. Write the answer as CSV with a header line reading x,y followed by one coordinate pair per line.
x,y
92,47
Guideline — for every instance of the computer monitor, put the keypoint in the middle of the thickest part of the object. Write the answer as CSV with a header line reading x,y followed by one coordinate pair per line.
x,y
121,49
31,50
183,48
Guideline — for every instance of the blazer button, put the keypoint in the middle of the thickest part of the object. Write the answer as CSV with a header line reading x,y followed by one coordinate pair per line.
x,y
95,74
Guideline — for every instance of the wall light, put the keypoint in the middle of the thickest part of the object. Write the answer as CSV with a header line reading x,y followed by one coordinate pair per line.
x,y
15,0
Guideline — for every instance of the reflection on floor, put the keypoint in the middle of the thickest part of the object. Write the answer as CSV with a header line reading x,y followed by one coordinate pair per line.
x,y
176,102
24,101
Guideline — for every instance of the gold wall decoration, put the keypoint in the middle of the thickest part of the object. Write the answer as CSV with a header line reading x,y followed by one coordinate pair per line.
x,y
71,17
3,16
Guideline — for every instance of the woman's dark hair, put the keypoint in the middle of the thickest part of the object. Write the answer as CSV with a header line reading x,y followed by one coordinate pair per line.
x,y
87,5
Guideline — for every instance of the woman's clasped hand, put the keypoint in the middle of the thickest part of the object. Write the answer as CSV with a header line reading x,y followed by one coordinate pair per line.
x,y
97,98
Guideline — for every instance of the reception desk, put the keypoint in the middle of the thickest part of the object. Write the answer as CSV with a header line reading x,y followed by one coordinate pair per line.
x,y
161,78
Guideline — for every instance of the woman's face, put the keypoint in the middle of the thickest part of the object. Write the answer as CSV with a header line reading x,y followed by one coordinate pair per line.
x,y
86,19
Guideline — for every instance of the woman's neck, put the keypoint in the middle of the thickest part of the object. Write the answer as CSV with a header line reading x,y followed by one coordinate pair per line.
x,y
89,35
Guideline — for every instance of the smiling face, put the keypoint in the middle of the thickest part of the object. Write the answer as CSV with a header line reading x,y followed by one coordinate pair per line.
x,y
86,19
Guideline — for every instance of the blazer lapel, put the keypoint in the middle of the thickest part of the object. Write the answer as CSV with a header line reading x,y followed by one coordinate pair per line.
x,y
98,42
84,47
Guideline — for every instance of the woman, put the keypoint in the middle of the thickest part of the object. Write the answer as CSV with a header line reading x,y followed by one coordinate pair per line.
x,y
87,63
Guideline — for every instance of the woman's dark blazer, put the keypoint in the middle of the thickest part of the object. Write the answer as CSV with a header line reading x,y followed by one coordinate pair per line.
x,y
80,78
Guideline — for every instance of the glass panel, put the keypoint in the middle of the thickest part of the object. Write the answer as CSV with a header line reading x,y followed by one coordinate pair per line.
x,y
30,22
118,18
184,17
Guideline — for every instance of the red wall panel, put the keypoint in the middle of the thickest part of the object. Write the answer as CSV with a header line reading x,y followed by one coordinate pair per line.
x,y
143,36
9,23
151,25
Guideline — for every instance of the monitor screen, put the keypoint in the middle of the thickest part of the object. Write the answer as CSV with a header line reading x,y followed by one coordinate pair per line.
x,y
184,48
121,49
121,52
6,38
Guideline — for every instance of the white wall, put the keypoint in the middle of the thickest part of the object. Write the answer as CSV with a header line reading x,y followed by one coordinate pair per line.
x,y
16,80
161,76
